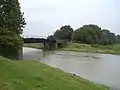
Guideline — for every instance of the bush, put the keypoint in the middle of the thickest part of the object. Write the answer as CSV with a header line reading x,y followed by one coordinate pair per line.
x,y
9,44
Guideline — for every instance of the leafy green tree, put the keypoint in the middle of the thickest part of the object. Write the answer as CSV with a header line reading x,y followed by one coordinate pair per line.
x,y
118,39
51,37
58,35
11,17
112,38
12,23
108,37
90,34
65,33
9,44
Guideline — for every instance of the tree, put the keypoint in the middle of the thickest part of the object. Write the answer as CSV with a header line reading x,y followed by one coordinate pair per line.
x,y
118,39
9,44
58,35
65,33
107,37
12,23
11,17
90,34
51,37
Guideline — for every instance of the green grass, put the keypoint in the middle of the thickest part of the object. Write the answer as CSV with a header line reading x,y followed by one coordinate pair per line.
x,y
34,45
110,49
32,75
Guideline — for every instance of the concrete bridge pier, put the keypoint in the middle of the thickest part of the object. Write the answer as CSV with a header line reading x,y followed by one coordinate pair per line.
x,y
50,46
46,46
55,45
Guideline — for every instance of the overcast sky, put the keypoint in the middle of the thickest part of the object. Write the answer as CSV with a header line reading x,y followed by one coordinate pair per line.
x,y
43,17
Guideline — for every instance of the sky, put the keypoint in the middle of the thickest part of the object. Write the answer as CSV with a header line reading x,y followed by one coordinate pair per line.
x,y
44,17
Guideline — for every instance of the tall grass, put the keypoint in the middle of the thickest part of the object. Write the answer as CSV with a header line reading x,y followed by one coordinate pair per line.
x,y
112,49
32,75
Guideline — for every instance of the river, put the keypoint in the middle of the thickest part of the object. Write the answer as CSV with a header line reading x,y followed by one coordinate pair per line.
x,y
98,68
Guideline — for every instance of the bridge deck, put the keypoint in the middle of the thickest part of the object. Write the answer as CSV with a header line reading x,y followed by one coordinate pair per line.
x,y
38,40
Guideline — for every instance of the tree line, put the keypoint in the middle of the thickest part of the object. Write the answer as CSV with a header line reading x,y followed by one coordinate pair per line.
x,y
89,34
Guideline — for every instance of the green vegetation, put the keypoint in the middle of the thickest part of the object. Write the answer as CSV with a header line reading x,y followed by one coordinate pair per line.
x,y
118,39
92,34
111,49
34,45
32,75
9,44
88,34
64,33
89,38
11,26
11,17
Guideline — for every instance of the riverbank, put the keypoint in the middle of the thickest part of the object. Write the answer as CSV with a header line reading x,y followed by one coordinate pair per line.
x,y
31,75
108,49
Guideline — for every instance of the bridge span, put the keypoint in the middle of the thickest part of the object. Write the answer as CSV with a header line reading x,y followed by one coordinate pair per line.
x,y
49,44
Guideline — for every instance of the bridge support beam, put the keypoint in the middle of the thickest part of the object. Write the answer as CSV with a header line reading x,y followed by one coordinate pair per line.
x,y
55,45
50,46
46,46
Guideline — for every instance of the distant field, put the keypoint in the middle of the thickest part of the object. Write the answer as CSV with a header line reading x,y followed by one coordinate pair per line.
x,y
34,45
111,49
32,75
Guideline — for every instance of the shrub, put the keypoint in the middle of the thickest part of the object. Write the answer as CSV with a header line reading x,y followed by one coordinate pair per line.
x,y
9,44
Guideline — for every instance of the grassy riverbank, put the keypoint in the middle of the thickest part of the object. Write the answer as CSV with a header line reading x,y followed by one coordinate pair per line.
x,y
110,49
32,75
